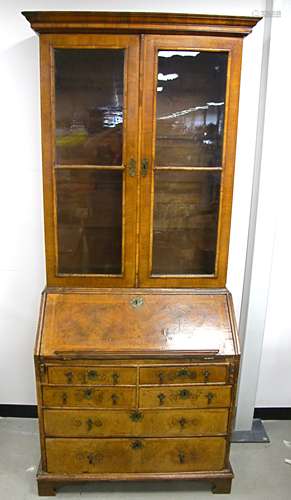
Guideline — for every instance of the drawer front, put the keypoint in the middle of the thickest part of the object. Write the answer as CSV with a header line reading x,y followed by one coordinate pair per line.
x,y
89,423
71,456
105,397
183,374
91,375
185,397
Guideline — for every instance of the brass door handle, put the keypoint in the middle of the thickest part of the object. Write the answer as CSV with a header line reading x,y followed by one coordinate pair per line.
x,y
131,167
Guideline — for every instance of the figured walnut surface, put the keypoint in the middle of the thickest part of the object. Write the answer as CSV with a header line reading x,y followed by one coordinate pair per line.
x,y
71,456
107,323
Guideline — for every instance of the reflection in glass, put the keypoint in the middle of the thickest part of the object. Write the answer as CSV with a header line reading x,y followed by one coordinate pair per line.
x,y
89,213
185,222
190,108
89,106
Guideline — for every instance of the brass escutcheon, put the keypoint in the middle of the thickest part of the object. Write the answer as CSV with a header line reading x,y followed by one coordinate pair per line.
x,y
137,302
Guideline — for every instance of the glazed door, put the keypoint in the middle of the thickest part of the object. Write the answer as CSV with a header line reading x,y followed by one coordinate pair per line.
x,y
188,152
90,136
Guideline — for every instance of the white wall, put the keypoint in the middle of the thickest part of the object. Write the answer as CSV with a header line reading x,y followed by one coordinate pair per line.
x,y
275,371
22,248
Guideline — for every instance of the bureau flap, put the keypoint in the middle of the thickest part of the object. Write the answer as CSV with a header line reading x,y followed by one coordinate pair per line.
x,y
136,322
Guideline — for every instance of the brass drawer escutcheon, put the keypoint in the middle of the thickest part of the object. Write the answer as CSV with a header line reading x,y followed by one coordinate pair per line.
x,y
136,416
210,397
115,378
136,445
114,398
88,393
137,302
184,394
181,456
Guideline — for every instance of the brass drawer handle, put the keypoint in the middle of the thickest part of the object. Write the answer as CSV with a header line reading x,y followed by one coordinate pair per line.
x,y
161,398
88,393
136,445
114,398
69,376
181,456
64,398
136,416
186,373
184,394
206,374
94,458
115,377
210,397
161,377
91,422
182,422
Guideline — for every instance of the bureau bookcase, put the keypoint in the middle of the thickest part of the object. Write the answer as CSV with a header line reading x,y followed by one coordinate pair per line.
x,y
137,354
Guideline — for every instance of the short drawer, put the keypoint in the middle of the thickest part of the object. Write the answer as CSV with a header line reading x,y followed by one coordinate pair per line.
x,y
182,374
147,423
92,375
199,396
106,397
72,456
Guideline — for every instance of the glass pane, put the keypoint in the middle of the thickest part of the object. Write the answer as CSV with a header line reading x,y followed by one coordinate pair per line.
x,y
89,212
89,106
190,108
185,222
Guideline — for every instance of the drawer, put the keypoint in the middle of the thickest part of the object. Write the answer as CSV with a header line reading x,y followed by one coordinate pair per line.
x,y
182,374
75,456
107,423
200,396
92,375
106,397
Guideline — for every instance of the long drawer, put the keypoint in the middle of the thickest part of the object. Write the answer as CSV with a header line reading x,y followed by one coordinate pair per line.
x,y
200,396
106,423
92,375
105,397
71,456
182,374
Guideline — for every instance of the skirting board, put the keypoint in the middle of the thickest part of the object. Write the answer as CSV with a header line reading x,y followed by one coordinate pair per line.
x,y
30,411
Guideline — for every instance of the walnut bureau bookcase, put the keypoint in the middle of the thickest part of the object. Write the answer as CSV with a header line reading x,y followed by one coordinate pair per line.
x,y
137,354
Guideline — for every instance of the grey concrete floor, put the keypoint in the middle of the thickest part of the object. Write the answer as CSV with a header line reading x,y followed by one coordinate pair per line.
x,y
261,473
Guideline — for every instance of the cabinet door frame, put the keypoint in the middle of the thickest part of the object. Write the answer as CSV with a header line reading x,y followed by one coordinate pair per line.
x,y
130,151
152,44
